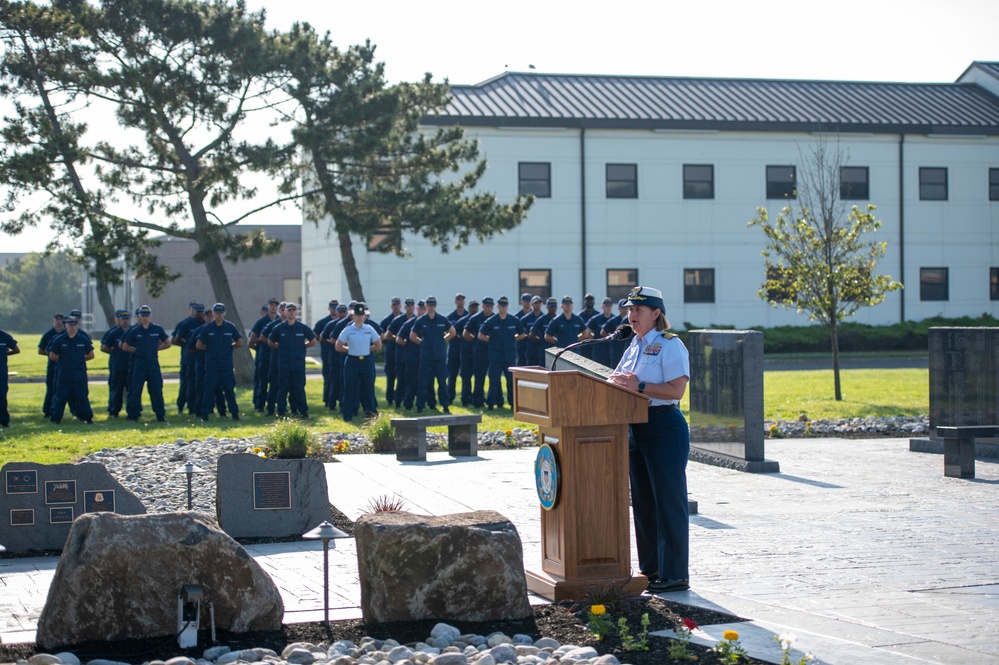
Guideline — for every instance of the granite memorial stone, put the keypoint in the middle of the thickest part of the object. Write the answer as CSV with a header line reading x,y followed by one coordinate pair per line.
x,y
964,385
726,399
40,501
270,498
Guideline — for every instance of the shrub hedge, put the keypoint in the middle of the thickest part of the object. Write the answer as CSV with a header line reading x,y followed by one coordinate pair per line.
x,y
854,337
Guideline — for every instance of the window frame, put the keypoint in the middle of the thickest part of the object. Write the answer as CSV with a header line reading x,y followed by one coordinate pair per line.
x,y
993,184
777,190
620,288
630,184
524,285
925,187
928,291
993,283
703,293
522,180
690,184
844,188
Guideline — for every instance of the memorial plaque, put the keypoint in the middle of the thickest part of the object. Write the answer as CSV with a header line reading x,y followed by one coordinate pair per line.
x,y
60,491
98,501
272,490
62,515
22,517
22,481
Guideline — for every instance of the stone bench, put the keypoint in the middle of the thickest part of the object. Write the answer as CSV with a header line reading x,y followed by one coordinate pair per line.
x,y
959,448
411,436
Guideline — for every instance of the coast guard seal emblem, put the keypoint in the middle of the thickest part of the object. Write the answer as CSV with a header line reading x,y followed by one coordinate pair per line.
x,y
546,476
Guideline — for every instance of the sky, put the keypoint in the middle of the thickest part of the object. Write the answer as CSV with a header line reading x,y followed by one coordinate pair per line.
x,y
468,42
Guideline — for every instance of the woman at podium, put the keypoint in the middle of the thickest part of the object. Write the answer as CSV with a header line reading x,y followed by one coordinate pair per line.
x,y
656,364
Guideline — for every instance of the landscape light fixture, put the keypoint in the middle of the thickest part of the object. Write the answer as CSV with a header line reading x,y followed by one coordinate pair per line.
x,y
188,615
190,468
325,532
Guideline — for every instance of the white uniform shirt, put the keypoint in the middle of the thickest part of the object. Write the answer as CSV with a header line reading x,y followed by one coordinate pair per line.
x,y
358,340
655,359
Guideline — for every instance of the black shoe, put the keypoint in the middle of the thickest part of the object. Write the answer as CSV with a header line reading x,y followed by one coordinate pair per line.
x,y
161,419
235,416
56,422
204,419
134,419
447,411
666,586
89,421
419,411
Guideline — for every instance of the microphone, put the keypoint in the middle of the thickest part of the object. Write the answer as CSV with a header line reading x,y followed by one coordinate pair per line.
x,y
623,332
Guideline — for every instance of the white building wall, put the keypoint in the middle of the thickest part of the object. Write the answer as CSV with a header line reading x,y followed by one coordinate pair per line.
x,y
660,233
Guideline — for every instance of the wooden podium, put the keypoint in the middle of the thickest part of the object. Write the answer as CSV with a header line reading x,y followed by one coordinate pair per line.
x,y
586,536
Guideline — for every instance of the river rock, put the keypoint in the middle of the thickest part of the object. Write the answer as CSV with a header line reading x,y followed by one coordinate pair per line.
x,y
465,566
119,578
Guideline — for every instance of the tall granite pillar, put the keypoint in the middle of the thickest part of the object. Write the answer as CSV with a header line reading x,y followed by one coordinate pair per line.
x,y
726,400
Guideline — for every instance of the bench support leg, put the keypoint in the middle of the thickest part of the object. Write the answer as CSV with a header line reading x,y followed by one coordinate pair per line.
x,y
411,444
463,440
959,458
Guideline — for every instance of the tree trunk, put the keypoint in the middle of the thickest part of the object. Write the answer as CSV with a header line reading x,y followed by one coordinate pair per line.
x,y
104,298
350,267
834,342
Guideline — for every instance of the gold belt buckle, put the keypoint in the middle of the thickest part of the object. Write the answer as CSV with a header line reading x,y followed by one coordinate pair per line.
x,y
361,357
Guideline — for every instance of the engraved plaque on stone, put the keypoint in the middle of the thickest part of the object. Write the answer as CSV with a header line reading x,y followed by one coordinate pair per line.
x,y
96,501
22,482
272,490
22,517
61,515
60,491
964,385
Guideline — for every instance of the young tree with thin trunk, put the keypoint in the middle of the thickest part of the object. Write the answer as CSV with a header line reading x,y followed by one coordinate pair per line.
x,y
819,258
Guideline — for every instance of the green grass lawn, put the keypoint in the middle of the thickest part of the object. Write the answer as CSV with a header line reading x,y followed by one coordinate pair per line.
x,y
28,364
788,395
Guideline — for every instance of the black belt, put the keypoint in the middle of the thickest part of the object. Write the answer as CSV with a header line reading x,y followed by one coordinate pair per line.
x,y
662,407
357,357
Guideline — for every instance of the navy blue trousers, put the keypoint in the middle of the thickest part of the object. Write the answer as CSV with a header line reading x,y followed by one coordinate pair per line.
x,y
152,378
117,385
291,392
76,393
431,369
658,452
497,370
216,381
358,386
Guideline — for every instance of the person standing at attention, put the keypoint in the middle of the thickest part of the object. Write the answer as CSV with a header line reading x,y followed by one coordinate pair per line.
x,y
656,364
145,341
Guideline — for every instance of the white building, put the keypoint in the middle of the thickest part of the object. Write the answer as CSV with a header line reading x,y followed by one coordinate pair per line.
x,y
652,180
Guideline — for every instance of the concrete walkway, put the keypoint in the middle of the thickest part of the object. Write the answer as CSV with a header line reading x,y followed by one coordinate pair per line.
x,y
861,549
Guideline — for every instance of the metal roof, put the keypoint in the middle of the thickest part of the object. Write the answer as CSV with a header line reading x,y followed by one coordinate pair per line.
x,y
528,99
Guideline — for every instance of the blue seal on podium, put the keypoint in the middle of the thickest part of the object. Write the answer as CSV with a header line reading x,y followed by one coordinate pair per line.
x,y
546,476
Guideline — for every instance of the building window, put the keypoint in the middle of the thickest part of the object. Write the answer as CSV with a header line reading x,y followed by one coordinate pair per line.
x,y
385,239
698,181
933,284
932,184
620,282
993,184
536,282
622,181
854,184
535,178
780,182
698,285
993,283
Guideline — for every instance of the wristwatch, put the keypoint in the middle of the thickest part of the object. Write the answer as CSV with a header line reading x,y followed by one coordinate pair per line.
x,y
641,387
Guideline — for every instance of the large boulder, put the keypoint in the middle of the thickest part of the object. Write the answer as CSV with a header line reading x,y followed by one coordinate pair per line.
x,y
119,578
466,566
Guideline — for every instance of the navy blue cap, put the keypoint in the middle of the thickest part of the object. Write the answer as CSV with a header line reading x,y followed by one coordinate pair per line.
x,y
566,300
291,305
525,297
503,300
537,299
333,303
218,307
199,307
57,315
145,310
342,307
125,314
551,302
396,300
71,320
608,301
431,300
410,301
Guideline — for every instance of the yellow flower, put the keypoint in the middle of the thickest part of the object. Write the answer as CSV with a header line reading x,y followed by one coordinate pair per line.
x,y
257,449
773,428
597,610
730,635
